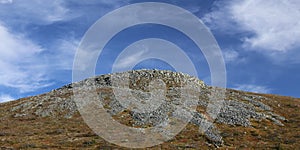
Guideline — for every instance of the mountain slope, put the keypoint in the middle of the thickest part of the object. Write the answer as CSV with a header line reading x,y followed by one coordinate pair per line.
x,y
246,120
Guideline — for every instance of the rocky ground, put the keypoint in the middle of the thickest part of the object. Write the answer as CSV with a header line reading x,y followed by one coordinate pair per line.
x,y
245,120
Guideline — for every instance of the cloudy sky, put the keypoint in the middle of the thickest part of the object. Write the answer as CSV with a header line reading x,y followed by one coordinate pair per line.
x,y
259,39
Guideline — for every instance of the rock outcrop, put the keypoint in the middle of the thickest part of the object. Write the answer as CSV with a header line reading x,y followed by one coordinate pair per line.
x,y
236,110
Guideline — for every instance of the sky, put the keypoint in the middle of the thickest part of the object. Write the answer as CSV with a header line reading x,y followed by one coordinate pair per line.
x,y
259,40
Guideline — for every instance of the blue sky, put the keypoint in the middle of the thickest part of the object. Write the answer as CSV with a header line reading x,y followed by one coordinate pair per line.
x,y
259,39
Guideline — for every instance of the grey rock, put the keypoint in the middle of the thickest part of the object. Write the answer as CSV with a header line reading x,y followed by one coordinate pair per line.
x,y
237,109
19,115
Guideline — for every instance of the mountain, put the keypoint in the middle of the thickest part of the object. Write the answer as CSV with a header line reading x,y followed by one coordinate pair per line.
x,y
149,100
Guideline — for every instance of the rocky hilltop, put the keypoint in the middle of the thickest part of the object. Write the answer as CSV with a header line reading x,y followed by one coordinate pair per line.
x,y
244,120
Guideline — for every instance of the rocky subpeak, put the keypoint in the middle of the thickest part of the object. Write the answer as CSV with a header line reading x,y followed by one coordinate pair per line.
x,y
237,109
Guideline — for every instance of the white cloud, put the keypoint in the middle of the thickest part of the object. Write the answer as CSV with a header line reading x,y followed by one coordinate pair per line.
x,y
114,3
20,64
15,46
252,88
274,23
6,98
63,57
230,55
6,1
34,11
130,60
25,66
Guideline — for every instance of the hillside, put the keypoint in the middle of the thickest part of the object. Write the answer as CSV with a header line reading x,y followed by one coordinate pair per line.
x,y
246,120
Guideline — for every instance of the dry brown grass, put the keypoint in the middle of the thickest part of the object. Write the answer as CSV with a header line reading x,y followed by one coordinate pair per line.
x,y
32,132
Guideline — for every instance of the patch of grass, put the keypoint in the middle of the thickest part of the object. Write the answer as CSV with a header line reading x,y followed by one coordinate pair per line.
x,y
45,133
27,146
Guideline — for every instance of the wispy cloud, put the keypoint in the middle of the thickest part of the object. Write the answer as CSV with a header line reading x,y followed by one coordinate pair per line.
x,y
24,64
275,24
63,57
114,3
34,11
6,98
5,1
130,60
253,88
19,62
230,55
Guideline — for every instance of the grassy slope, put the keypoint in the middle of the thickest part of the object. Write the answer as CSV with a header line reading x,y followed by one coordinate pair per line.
x,y
59,133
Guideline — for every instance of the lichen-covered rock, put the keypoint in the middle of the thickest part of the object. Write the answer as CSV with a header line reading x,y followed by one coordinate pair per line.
x,y
139,86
